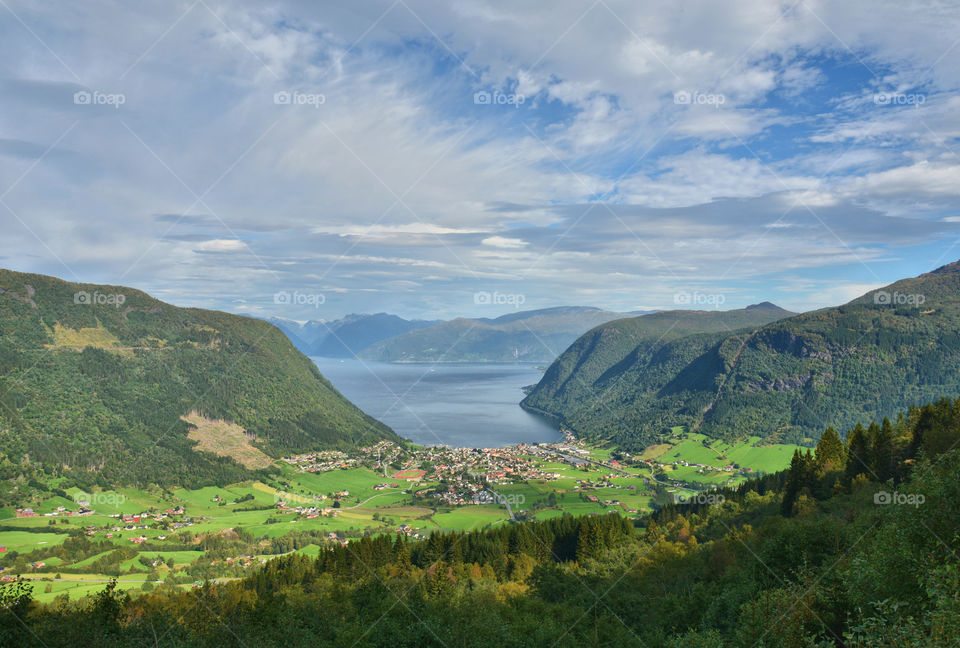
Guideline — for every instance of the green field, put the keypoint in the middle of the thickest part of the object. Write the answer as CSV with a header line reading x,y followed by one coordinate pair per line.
x,y
750,453
26,541
469,518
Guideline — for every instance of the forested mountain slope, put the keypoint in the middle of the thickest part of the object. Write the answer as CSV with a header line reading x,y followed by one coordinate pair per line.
x,y
785,380
597,385
94,381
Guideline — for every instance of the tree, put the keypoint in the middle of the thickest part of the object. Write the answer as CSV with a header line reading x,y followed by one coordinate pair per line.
x,y
831,453
858,454
881,455
16,598
800,476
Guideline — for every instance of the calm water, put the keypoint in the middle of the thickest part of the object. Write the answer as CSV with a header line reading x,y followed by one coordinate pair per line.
x,y
461,405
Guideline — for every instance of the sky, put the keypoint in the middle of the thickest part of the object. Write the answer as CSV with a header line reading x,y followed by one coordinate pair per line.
x,y
449,158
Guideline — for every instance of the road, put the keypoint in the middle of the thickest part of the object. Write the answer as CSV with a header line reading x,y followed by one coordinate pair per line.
x,y
372,497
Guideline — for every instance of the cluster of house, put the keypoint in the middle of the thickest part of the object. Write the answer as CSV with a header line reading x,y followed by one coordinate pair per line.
x,y
59,511
461,493
322,461
308,512
385,486
333,537
606,482
410,532
706,467
497,465
383,453
243,561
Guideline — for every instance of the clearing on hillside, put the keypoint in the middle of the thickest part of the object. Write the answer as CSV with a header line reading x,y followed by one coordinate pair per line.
x,y
226,440
655,451
79,339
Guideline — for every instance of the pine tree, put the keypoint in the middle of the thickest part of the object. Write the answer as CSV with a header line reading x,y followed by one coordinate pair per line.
x,y
401,554
831,453
858,454
801,475
881,455
588,542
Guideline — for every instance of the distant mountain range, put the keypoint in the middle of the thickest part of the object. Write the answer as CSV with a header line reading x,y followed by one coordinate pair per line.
x,y
761,370
345,337
532,336
97,382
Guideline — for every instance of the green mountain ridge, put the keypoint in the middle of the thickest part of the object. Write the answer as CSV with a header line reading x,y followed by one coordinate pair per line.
x,y
94,380
784,380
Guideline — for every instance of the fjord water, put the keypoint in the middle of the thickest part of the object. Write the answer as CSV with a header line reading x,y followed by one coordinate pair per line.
x,y
455,404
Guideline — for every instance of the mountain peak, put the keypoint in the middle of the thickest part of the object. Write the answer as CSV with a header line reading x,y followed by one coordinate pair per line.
x,y
764,304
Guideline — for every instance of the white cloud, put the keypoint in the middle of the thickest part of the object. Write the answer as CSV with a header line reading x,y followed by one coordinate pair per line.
x,y
391,231
399,172
504,242
220,245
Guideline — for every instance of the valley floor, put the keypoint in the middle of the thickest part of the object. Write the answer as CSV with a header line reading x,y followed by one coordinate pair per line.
x,y
182,537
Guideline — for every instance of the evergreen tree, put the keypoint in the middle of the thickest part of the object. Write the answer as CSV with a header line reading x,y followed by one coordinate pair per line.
x,y
589,542
831,453
858,454
881,455
800,476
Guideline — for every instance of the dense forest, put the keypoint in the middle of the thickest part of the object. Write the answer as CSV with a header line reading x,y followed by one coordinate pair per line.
x,y
855,546
786,380
94,381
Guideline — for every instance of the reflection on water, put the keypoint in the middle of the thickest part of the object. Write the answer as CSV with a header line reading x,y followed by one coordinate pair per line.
x,y
462,405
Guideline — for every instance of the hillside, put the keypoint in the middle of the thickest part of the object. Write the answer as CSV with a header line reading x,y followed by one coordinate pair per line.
x,y
94,381
600,384
784,381
533,336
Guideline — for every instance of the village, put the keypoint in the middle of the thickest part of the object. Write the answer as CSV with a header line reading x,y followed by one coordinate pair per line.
x,y
468,476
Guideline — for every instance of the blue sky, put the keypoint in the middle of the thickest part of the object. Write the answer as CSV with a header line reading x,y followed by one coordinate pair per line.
x,y
630,153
